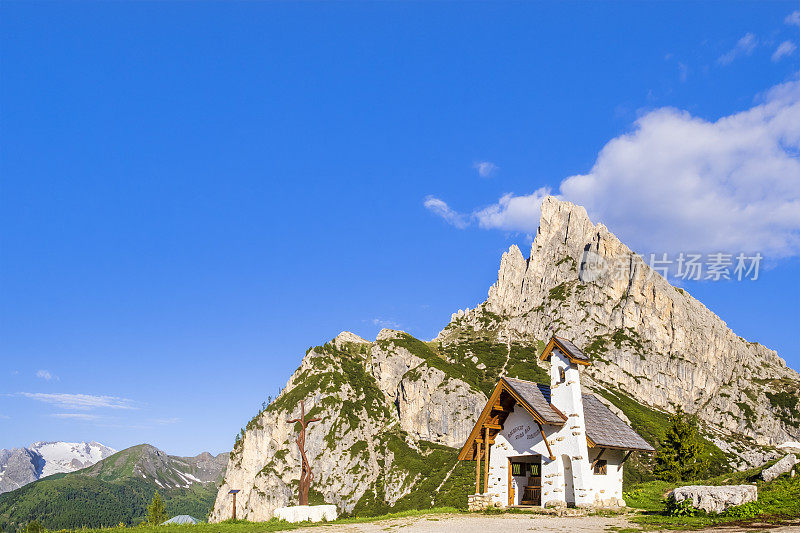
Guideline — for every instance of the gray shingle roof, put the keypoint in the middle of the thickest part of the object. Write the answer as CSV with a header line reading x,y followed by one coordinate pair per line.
x,y
573,350
606,429
602,426
538,398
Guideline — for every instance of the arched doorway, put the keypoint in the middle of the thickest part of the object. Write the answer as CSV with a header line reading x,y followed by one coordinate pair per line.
x,y
569,481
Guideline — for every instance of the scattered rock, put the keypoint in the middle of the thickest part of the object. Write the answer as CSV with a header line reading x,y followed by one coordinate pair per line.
x,y
716,499
790,447
551,504
781,467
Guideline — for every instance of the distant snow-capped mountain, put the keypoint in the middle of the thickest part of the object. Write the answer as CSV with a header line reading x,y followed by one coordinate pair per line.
x,y
20,466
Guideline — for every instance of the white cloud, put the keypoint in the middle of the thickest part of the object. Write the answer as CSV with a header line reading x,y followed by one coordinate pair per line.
x,y
793,18
83,402
682,183
786,48
440,208
744,46
678,182
486,169
4,417
166,421
383,323
513,213
683,71
45,375
76,416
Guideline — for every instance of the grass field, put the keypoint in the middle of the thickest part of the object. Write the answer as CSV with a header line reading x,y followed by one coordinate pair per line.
x,y
241,526
778,502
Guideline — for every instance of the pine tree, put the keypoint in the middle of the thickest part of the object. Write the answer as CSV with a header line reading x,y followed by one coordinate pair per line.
x,y
156,513
679,456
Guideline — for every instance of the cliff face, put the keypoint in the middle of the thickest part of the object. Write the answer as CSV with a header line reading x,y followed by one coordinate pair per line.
x,y
394,411
389,422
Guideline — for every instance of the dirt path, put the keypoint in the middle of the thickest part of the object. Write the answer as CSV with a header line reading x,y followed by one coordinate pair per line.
x,y
481,524
511,523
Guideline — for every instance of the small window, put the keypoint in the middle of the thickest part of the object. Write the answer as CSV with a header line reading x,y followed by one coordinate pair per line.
x,y
516,469
534,471
601,467
562,376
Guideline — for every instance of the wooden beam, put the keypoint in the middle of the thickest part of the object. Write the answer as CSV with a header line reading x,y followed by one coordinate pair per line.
x,y
486,463
492,426
466,450
624,459
544,437
499,407
477,468
599,455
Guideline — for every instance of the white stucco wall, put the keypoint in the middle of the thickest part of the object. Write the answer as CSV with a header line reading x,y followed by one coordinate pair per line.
x,y
609,485
520,436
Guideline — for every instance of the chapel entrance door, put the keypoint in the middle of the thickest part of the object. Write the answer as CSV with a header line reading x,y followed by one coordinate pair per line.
x,y
527,473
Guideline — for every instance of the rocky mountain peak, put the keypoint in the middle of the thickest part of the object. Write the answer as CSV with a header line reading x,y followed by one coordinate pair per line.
x,y
20,466
345,337
647,337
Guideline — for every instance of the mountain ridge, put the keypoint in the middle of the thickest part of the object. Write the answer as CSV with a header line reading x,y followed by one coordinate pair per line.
x,y
116,489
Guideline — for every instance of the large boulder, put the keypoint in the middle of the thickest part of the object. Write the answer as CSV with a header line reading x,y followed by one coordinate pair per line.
x,y
781,467
716,499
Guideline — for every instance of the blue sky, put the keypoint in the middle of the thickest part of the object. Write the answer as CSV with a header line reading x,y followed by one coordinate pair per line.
x,y
193,193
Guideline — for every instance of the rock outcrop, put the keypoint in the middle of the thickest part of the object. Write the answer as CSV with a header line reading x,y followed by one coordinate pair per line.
x,y
781,467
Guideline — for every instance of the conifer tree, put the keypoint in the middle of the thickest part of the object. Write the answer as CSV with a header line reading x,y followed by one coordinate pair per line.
x,y
156,513
679,456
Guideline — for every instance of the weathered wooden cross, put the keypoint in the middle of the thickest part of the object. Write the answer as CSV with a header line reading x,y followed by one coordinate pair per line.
x,y
306,475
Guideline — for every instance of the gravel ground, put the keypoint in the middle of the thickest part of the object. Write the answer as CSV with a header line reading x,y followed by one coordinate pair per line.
x,y
512,523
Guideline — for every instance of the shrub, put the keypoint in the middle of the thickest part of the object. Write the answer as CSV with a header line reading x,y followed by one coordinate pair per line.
x,y
682,508
745,511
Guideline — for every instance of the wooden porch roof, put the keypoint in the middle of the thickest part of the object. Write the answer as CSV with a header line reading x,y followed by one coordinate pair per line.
x,y
533,397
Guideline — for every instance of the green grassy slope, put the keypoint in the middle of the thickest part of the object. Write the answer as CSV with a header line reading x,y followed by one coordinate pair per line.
x,y
777,500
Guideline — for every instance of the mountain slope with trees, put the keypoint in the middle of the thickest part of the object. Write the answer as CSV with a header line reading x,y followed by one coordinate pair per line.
x,y
116,490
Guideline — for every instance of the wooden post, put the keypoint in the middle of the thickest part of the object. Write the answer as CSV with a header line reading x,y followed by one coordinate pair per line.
x,y
511,499
234,491
477,468
627,455
486,462
599,455
544,437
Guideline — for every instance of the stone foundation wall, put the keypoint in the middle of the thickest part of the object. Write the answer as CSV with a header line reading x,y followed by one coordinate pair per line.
x,y
479,502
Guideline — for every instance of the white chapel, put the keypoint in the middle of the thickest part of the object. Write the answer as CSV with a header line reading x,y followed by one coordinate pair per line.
x,y
550,446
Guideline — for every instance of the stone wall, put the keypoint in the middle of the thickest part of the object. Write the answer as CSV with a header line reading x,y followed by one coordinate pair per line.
x,y
479,502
